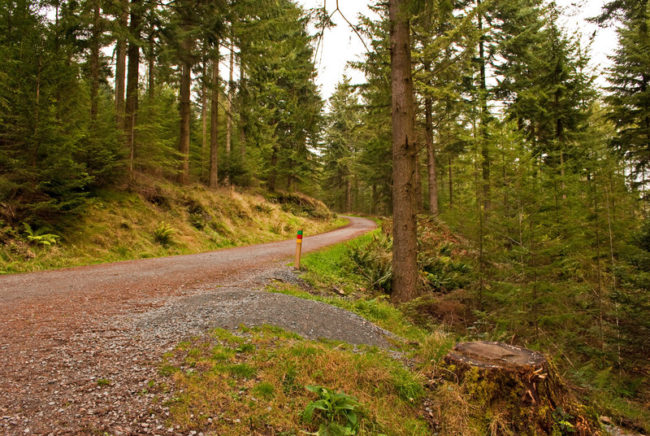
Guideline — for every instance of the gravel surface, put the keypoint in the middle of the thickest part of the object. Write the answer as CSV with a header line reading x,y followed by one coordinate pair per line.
x,y
79,345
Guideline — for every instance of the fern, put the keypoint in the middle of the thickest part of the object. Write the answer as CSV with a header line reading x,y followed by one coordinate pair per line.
x,y
163,234
40,237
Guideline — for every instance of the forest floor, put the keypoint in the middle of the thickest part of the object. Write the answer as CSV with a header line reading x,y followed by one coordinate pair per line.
x,y
80,346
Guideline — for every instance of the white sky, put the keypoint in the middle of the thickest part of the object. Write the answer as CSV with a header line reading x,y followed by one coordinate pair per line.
x,y
341,44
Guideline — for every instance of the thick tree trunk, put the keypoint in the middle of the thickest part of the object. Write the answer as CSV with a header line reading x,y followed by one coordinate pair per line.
x,y
184,107
214,113
131,109
94,60
405,272
120,64
431,157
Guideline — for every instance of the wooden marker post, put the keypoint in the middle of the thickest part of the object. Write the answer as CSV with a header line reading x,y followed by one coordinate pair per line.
x,y
298,249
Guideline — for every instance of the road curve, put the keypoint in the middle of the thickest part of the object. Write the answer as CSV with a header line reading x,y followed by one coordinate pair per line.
x,y
184,270
63,330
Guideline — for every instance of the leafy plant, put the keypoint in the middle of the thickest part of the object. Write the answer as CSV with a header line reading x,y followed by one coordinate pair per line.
x,y
563,421
373,262
337,409
40,237
163,234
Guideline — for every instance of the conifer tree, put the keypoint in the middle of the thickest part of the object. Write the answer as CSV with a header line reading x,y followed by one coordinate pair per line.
x,y
629,97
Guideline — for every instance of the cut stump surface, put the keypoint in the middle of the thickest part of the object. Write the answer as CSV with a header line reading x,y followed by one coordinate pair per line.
x,y
496,355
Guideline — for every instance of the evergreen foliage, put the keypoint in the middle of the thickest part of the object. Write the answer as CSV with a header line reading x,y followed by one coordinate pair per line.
x,y
543,174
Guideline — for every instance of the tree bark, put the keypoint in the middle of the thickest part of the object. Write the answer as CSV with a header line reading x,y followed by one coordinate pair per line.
x,y
204,113
120,64
274,172
184,107
431,156
133,54
519,383
451,185
213,181
94,60
404,262
348,194
485,166
242,109
151,67
418,184
229,107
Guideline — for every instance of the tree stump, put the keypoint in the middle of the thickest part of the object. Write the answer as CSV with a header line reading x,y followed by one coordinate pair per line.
x,y
519,385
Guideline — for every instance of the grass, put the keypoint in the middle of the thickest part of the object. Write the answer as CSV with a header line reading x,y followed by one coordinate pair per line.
x,y
330,267
255,381
261,389
161,220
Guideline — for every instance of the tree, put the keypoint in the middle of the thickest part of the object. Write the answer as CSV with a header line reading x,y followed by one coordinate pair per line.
x,y
405,271
629,97
340,142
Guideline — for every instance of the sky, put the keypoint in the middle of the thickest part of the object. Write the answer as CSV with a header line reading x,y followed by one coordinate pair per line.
x,y
341,44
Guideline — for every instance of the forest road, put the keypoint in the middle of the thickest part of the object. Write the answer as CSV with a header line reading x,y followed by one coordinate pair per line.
x,y
78,346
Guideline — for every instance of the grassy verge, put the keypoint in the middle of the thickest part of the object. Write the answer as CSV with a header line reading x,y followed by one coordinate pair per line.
x,y
163,220
256,382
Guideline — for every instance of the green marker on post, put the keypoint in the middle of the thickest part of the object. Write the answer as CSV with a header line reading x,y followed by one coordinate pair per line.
x,y
298,249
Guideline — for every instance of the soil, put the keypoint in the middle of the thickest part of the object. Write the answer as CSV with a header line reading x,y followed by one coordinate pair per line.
x,y
80,345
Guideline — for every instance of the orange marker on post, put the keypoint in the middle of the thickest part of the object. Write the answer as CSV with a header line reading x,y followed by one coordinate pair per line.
x,y
298,249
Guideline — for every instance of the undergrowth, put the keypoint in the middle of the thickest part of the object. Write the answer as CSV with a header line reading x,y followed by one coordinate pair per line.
x,y
158,219
265,380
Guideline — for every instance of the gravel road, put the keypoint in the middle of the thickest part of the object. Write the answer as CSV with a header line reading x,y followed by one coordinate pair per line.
x,y
79,345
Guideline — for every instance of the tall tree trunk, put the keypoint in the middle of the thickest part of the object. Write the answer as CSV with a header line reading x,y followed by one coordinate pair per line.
x,y
204,113
151,59
484,114
214,112
431,156
348,194
274,172
184,100
120,63
405,272
229,106
242,109
133,70
418,184
37,112
451,185
94,60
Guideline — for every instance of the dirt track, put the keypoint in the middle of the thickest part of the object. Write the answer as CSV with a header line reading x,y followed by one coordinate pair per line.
x,y
63,331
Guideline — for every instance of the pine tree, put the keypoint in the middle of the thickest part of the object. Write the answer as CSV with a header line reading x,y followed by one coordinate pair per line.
x,y
630,83
340,142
